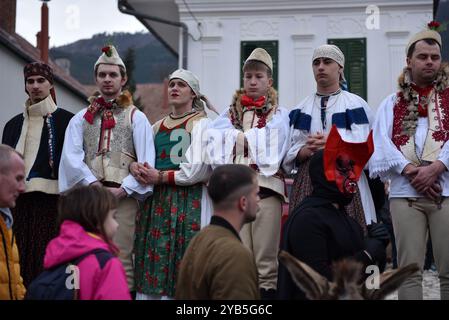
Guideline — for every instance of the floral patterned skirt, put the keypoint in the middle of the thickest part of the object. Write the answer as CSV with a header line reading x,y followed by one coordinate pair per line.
x,y
164,228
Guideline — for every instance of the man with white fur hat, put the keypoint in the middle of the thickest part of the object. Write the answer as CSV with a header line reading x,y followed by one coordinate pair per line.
x,y
411,150
312,120
101,142
257,130
180,205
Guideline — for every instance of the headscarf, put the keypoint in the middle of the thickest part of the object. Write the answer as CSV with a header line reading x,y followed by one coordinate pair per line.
x,y
192,81
332,52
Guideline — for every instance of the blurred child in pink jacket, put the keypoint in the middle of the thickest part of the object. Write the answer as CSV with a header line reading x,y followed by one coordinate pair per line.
x,y
87,223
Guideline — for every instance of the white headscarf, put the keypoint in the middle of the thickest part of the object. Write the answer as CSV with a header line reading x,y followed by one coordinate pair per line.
x,y
192,80
332,52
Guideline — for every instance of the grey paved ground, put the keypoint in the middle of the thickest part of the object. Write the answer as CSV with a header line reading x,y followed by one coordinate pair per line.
x,y
431,287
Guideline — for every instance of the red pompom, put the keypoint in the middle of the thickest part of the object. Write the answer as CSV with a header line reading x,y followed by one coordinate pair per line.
x,y
433,25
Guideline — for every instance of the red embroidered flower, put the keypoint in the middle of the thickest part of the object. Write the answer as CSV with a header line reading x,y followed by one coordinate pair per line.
x,y
442,135
148,277
433,25
195,226
167,246
107,50
181,241
174,209
158,210
163,154
165,270
439,135
156,258
156,233
182,217
261,123
195,204
399,111
155,280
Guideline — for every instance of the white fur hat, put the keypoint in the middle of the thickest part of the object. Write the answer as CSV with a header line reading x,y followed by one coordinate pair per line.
x,y
260,54
426,34
110,56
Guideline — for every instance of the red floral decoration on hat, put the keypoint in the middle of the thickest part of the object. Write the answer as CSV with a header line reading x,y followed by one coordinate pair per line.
x,y
107,50
434,25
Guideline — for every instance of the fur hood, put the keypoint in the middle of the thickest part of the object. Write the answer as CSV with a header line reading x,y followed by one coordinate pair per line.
x,y
124,100
236,110
441,81
410,100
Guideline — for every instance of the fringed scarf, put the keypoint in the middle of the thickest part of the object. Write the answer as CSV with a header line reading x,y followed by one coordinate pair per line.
x,y
99,105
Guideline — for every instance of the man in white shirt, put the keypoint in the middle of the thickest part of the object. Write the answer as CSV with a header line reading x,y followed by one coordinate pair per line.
x,y
101,142
311,121
410,134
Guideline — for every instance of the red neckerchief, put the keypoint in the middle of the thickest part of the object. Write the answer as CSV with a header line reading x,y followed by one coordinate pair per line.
x,y
250,102
100,105
422,92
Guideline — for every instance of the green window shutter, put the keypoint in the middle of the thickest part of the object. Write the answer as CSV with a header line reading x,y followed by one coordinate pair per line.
x,y
355,63
246,47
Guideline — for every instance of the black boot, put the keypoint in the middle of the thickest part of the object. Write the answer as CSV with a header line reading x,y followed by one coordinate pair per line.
x,y
268,294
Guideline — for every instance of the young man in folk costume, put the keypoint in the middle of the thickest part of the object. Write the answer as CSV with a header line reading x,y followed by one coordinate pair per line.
x,y
38,134
411,150
179,206
313,118
101,142
257,130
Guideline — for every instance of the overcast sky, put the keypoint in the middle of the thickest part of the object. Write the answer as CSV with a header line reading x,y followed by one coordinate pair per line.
x,y
71,20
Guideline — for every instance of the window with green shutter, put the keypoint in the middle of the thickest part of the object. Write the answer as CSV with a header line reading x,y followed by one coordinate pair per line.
x,y
355,63
246,47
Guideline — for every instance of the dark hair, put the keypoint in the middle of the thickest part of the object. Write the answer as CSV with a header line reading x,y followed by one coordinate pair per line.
x,y
122,70
88,206
257,65
427,40
226,180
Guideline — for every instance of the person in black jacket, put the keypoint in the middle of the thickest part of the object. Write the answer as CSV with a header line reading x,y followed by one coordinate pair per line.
x,y
319,232
37,133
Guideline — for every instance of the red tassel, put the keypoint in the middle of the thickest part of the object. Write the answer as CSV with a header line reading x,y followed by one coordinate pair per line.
x,y
89,116
108,123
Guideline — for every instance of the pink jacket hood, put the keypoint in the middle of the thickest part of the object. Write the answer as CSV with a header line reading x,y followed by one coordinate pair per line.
x,y
97,281
71,243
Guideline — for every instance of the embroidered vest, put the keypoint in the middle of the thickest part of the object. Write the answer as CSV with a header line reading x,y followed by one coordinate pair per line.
x,y
109,152
438,130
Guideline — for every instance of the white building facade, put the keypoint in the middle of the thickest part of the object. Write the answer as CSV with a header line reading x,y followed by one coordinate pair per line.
x,y
372,35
